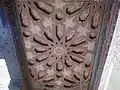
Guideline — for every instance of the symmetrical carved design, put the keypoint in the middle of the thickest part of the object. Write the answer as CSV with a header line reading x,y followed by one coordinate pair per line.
x,y
59,40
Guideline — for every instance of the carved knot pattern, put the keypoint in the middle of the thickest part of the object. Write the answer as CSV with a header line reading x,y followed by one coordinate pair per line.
x,y
59,41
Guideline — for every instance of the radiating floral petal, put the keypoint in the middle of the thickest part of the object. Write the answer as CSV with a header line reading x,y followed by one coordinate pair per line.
x,y
70,35
48,35
77,76
59,32
34,14
48,79
76,59
40,50
78,41
40,41
43,7
24,19
42,58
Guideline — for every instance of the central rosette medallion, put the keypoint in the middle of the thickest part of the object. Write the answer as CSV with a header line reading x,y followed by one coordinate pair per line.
x,y
58,51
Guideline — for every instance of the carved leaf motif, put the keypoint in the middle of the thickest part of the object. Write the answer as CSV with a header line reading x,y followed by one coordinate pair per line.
x,y
48,79
43,7
42,58
86,74
77,76
74,7
40,50
49,86
68,62
26,33
40,41
34,14
48,34
31,62
84,15
78,51
95,20
59,16
76,59
68,85
70,35
59,66
78,41
60,31
24,19
70,80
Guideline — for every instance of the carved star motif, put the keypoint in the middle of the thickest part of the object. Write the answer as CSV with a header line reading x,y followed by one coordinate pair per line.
x,y
34,28
69,22
90,45
47,22
50,72
67,73
78,68
83,30
39,67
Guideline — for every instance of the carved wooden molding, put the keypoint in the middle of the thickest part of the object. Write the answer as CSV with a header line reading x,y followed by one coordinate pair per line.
x,y
113,56
111,17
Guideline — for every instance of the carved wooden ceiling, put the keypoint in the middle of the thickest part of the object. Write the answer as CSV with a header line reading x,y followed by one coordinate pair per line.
x,y
60,39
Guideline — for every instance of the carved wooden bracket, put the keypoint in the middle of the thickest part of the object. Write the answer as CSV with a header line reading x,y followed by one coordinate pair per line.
x,y
60,38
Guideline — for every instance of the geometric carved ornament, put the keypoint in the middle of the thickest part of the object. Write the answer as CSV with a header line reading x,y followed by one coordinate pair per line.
x,y
60,39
